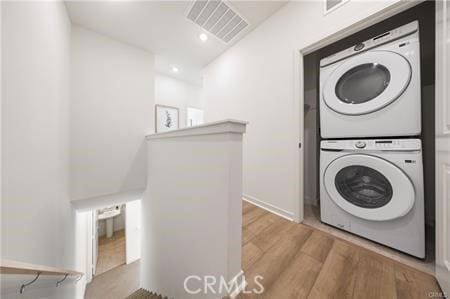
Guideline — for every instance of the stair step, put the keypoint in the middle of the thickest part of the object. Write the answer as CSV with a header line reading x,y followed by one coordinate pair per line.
x,y
144,294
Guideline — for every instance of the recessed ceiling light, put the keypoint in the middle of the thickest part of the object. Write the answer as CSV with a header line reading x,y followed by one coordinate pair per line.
x,y
175,69
203,37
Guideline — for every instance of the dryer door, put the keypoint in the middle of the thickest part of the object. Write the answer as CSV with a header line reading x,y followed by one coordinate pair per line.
x,y
369,187
367,82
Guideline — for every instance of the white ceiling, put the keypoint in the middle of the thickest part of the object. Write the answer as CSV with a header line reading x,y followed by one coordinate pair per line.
x,y
161,27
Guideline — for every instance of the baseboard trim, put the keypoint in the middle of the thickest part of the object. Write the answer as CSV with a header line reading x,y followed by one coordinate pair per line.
x,y
269,207
240,282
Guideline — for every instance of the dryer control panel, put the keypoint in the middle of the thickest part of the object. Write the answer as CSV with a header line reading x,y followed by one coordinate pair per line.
x,y
373,144
371,43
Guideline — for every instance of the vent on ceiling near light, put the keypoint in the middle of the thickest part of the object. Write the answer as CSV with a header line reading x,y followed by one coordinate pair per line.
x,y
217,17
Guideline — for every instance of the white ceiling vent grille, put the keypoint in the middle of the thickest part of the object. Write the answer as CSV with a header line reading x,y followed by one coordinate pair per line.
x,y
217,17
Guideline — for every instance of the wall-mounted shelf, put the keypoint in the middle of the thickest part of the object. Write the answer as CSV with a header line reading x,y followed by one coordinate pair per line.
x,y
14,267
20,268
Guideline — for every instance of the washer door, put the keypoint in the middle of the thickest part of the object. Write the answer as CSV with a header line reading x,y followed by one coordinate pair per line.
x,y
367,82
369,187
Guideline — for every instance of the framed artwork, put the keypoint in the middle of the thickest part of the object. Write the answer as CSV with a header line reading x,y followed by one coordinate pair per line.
x,y
166,118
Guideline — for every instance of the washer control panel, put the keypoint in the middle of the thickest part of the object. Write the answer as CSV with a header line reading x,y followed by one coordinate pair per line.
x,y
373,144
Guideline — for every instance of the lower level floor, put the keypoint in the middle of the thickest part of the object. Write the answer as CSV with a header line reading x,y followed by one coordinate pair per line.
x,y
111,252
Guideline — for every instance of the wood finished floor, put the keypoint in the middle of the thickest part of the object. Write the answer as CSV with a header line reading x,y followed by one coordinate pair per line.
x,y
298,261
111,252
117,283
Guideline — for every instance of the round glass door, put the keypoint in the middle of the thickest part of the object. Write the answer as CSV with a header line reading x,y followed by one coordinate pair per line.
x,y
362,83
366,82
369,187
363,186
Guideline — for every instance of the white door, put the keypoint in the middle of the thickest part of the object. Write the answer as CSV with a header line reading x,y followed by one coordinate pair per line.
x,y
443,145
194,117
94,241
89,246
133,231
367,82
368,187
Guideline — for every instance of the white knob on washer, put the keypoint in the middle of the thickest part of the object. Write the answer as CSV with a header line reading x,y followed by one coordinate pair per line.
x,y
360,144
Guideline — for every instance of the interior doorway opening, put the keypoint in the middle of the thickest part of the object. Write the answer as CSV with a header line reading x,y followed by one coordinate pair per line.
x,y
109,243
116,239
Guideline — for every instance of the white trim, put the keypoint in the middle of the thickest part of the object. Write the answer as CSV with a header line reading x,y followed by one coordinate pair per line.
x,y
298,155
442,269
269,207
360,25
240,276
96,202
217,127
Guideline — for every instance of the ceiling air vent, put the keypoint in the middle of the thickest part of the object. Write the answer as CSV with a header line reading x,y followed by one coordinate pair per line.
x,y
217,17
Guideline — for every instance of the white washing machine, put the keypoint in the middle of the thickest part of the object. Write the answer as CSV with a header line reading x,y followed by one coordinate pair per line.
x,y
373,88
374,188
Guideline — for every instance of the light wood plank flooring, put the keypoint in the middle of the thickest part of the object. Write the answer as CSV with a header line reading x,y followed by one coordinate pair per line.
x,y
298,261
111,252
117,283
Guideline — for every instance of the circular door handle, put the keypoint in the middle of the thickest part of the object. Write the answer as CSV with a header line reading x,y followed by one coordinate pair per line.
x,y
360,144
359,47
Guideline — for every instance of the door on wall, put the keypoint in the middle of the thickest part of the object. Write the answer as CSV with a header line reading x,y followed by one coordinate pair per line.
x,y
443,145
133,231
194,117
94,241
91,257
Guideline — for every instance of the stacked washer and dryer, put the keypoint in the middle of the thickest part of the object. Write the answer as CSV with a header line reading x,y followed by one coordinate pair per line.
x,y
371,174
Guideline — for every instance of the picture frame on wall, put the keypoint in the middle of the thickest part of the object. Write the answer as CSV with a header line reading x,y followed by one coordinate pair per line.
x,y
167,118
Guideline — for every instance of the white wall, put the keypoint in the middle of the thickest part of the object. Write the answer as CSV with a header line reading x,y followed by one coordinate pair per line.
x,y
254,81
112,102
38,224
133,231
35,119
177,93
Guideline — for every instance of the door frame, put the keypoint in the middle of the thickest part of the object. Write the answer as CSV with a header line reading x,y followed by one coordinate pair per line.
x,y
298,99
442,92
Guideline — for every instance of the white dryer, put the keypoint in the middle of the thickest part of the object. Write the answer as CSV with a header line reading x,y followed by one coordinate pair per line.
x,y
373,89
374,188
